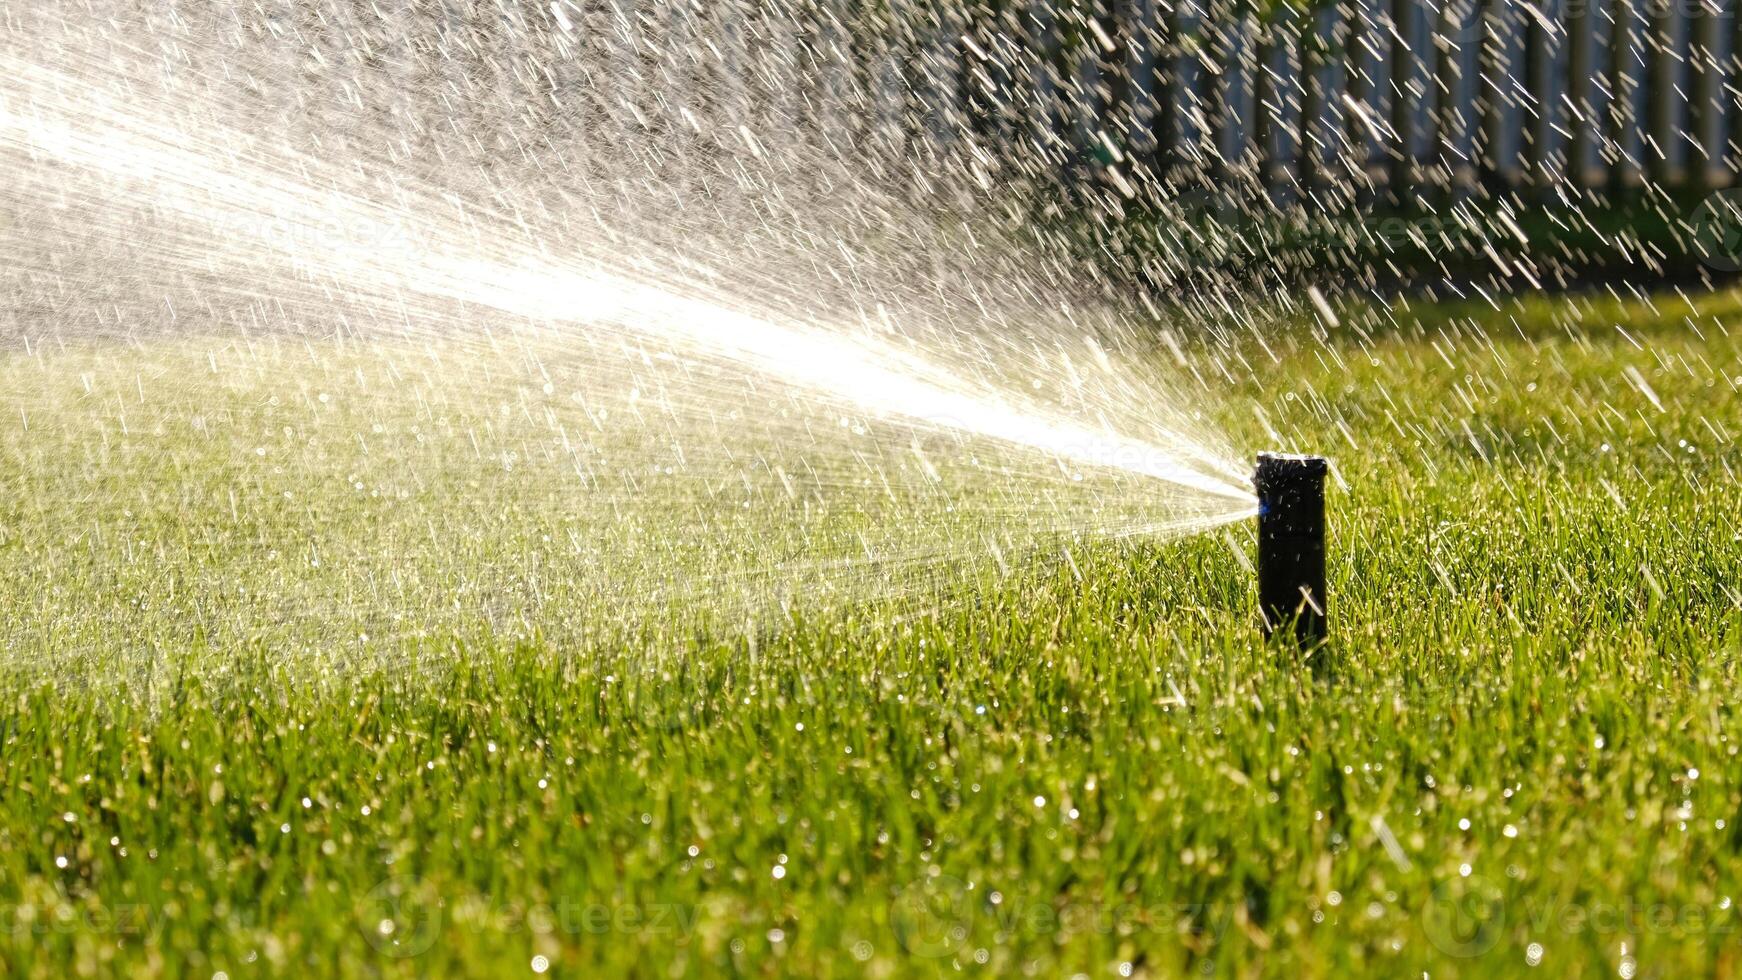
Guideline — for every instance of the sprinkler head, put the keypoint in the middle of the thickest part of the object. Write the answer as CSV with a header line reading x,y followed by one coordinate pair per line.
x,y
1291,545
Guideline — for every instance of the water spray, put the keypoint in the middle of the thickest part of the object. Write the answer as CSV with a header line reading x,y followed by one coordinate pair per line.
x,y
671,365
1291,544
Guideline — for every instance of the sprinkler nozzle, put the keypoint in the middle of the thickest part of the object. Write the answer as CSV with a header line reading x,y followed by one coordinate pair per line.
x,y
1291,544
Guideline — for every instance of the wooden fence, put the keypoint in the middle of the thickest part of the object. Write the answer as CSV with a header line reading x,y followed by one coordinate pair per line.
x,y
1389,95
1375,95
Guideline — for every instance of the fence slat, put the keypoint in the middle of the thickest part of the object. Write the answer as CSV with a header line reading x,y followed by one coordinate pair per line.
x,y
1376,35
1188,106
1672,90
1137,22
1590,92
1280,104
1716,23
1549,40
1507,90
1239,93
1461,64
1325,145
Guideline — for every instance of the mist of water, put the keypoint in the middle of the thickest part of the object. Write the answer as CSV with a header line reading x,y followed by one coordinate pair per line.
x,y
738,354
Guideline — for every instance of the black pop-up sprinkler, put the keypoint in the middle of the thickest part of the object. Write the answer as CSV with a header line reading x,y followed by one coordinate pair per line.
x,y
1291,544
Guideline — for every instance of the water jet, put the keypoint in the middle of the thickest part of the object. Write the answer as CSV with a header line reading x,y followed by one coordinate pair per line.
x,y
1291,545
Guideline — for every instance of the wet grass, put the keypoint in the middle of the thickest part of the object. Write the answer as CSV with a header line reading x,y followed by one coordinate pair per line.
x,y
1521,748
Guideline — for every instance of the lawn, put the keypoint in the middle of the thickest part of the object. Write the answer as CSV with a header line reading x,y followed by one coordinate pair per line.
x,y
259,722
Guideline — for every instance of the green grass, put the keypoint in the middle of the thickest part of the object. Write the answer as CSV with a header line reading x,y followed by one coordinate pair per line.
x,y
1537,614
